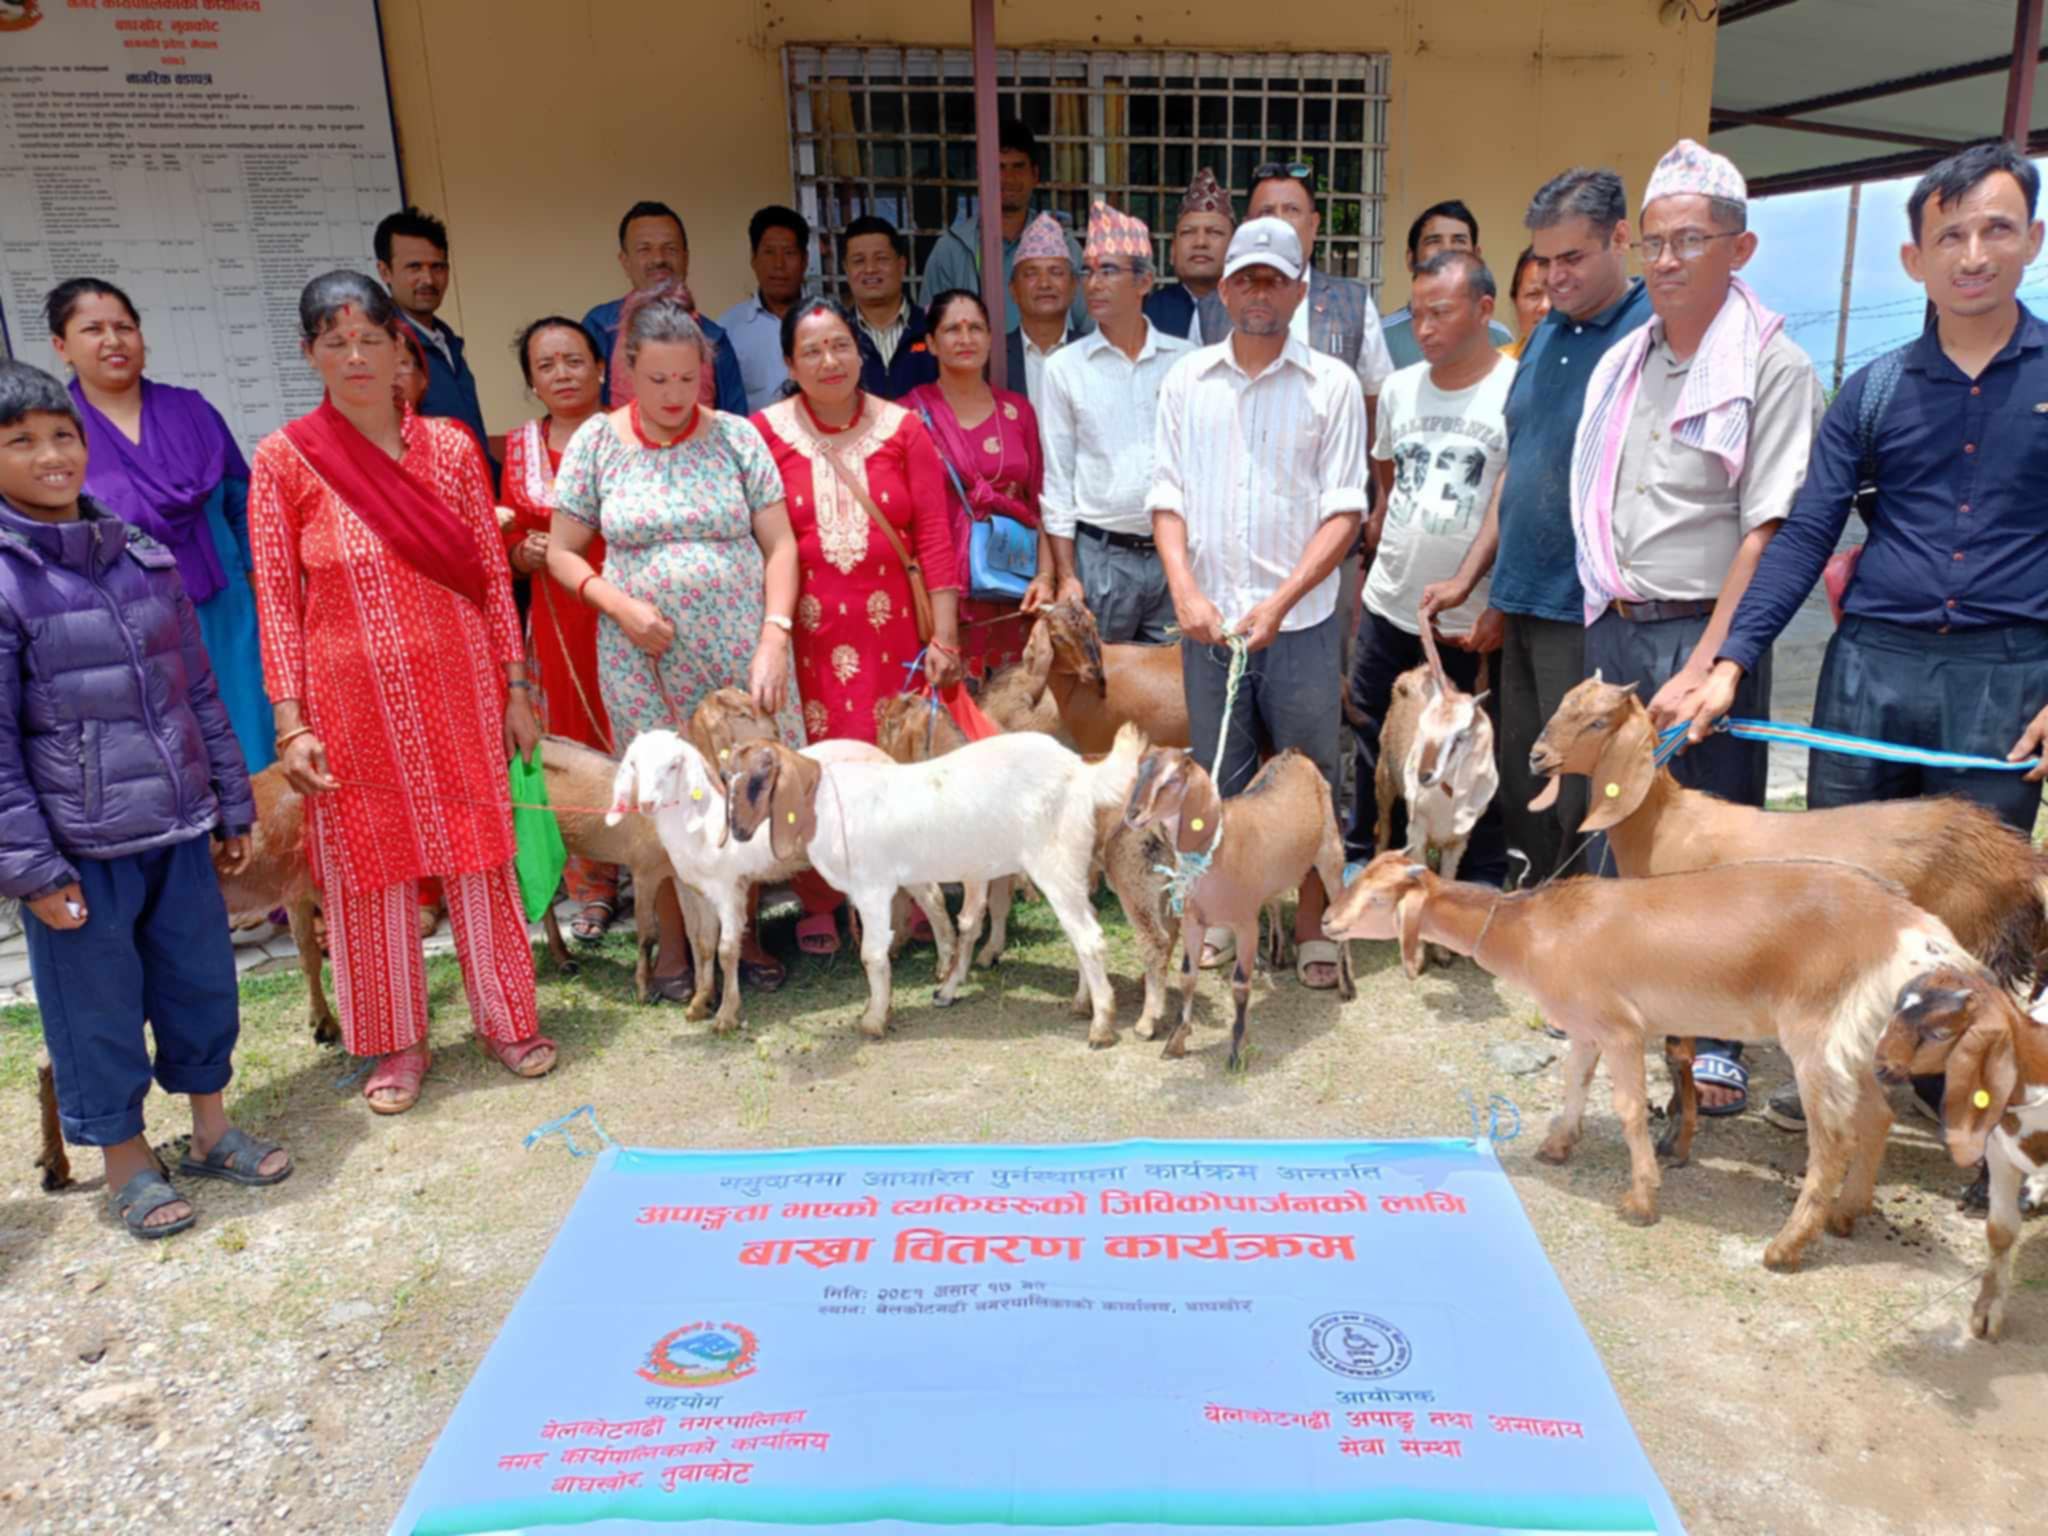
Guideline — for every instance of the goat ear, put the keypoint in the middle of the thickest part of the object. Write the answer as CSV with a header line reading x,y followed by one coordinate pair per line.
x,y
1409,915
792,808
1201,812
1983,1074
1037,653
625,791
1481,697
1622,777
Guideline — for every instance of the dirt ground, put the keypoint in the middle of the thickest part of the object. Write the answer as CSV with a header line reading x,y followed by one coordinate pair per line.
x,y
285,1366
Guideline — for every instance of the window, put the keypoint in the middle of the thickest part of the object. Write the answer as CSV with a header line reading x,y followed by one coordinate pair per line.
x,y
890,131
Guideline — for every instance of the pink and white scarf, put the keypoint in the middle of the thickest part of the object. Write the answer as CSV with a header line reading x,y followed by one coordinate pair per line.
x,y
1712,414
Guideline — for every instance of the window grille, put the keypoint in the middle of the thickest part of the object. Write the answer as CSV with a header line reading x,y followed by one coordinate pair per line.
x,y
890,131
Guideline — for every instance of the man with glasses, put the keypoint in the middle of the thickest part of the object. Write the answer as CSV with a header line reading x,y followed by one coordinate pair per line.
x,y
1692,445
1578,223
1098,405
1441,227
1944,637
1258,485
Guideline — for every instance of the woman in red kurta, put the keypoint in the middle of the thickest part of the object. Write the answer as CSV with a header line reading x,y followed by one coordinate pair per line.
x,y
561,365
392,657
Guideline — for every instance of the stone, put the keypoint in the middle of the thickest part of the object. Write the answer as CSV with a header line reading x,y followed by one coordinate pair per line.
x,y
344,1313
1522,1058
134,1403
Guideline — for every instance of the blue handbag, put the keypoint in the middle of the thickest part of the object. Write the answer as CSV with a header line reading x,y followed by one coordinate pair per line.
x,y
1002,553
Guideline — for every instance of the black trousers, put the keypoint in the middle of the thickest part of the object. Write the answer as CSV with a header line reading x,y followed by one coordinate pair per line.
x,y
1384,651
1541,660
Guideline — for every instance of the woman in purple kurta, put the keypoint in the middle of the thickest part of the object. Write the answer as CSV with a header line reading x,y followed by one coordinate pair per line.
x,y
161,459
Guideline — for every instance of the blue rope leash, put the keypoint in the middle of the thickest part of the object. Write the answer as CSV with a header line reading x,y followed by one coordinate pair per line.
x,y
1187,869
1834,741
564,1128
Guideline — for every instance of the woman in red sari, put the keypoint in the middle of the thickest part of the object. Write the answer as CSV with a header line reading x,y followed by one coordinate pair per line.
x,y
987,440
392,656
559,360
856,631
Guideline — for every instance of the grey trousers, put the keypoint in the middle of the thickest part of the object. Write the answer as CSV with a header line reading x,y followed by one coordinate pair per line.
x,y
1541,660
1126,591
1288,697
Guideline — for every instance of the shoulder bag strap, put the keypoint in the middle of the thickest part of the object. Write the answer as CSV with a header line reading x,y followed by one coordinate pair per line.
x,y
920,595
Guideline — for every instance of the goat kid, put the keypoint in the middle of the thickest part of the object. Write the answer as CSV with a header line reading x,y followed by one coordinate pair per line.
x,y
682,800
1952,858
1259,843
993,808
1070,684
1994,1105
1808,952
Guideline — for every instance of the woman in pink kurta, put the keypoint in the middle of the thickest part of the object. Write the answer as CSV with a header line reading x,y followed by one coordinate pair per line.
x,y
390,642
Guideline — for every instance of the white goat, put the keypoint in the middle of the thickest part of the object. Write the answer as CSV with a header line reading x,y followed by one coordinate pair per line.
x,y
665,777
1012,803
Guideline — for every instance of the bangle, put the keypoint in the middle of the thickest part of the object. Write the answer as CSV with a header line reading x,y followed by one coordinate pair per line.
x,y
586,581
293,735
942,648
780,621
519,682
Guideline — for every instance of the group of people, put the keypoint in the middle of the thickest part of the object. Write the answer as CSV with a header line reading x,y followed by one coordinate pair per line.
x,y
825,503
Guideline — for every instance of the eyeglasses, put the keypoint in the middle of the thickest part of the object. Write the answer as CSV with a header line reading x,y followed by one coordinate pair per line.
x,y
1686,245
1107,269
1297,170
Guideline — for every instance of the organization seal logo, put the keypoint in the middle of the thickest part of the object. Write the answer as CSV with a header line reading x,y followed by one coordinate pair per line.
x,y
1359,1345
702,1355
19,15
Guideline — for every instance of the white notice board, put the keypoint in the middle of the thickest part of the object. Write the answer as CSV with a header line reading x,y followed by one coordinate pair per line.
x,y
208,156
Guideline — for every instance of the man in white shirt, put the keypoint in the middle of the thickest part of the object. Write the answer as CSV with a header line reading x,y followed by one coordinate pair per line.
x,y
1439,446
1042,282
781,242
1098,406
1258,487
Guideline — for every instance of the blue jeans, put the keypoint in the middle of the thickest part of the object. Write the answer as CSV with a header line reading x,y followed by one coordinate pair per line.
x,y
154,949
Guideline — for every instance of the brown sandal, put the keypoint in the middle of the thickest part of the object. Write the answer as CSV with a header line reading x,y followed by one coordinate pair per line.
x,y
402,1071
515,1055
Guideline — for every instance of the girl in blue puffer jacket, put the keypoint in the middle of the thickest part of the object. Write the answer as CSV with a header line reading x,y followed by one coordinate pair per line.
x,y
116,763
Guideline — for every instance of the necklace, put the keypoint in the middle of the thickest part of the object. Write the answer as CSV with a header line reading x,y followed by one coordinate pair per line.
x,y
640,432
860,406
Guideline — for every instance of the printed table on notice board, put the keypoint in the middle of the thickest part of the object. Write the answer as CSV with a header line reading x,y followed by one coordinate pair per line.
x,y
1122,1337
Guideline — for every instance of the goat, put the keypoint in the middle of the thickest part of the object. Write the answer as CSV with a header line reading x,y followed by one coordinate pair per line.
x,y
1436,753
1268,839
910,731
1994,1106
1952,858
1070,684
1808,952
994,807
722,720
683,802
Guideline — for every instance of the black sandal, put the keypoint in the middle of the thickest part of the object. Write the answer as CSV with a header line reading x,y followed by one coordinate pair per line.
x,y
236,1157
586,929
141,1198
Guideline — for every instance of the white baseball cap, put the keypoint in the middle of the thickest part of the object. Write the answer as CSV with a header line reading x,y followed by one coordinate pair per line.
x,y
1267,242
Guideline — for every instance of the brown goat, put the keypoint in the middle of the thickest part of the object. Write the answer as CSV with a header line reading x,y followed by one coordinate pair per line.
x,y
1952,858
1257,844
1071,684
1808,952
1995,1102
910,731
724,719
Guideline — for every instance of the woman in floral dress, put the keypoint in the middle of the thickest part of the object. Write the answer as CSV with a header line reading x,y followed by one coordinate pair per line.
x,y
700,566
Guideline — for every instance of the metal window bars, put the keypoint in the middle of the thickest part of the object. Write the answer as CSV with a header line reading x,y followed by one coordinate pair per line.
x,y
890,131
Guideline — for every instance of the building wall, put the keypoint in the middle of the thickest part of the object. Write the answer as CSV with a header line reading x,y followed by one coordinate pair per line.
x,y
530,125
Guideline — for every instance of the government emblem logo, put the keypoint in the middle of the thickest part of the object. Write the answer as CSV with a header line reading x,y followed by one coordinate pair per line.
x,y
1359,1345
702,1355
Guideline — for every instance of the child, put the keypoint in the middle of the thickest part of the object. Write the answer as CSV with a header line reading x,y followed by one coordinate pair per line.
x,y
116,761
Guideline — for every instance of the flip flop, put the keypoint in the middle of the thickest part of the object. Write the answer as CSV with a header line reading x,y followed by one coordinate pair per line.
x,y
236,1157
585,928
1308,952
763,975
1219,952
513,1055
818,934
141,1198
1721,1072
403,1070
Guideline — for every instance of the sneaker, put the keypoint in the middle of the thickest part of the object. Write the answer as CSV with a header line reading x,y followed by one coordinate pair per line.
x,y
1784,1109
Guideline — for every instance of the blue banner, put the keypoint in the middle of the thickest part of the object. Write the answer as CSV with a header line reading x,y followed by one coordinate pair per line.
x,y
1136,1336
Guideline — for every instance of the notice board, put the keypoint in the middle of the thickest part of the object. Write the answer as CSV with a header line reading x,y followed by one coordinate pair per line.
x,y
207,156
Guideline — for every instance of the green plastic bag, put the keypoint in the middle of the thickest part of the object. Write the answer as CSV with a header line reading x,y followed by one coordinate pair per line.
x,y
541,857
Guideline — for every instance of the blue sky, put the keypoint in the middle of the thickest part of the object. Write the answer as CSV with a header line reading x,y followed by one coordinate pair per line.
x,y
1798,270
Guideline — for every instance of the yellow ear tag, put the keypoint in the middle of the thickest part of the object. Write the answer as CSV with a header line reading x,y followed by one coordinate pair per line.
x,y
1614,791
1981,1099
724,753
1196,823
792,818
696,794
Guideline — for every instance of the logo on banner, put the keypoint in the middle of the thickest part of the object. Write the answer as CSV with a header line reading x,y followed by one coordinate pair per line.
x,y
702,1355
1359,1345
19,15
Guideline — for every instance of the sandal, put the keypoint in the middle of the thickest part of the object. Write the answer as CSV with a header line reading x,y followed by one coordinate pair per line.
x,y
591,924
236,1157
1219,952
402,1071
141,1198
1308,952
1721,1072
679,988
515,1056
765,975
818,934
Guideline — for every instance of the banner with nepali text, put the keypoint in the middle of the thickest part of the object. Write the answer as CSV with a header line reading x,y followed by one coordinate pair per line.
x,y
1136,1336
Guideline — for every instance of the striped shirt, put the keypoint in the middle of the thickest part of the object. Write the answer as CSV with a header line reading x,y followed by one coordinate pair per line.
x,y
1254,466
886,338
1097,410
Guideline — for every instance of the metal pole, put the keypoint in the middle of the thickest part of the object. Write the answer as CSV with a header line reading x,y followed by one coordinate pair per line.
x,y
2019,83
993,288
1848,272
